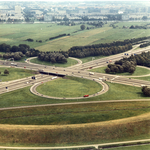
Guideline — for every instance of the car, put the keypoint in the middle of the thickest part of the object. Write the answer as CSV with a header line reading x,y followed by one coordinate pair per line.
x,y
34,77
86,96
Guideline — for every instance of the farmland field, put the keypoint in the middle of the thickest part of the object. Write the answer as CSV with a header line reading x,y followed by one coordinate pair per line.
x,y
15,34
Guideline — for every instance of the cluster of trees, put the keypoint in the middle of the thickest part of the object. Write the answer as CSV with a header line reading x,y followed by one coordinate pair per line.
x,y
145,45
15,55
96,50
67,23
53,57
17,52
121,66
146,91
29,40
96,24
129,64
21,48
137,27
142,59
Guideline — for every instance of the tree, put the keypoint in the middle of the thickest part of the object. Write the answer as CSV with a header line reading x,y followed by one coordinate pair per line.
x,y
144,18
82,27
6,72
131,70
107,70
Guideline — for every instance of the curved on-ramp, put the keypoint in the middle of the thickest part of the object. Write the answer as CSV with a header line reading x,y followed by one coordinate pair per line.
x,y
104,90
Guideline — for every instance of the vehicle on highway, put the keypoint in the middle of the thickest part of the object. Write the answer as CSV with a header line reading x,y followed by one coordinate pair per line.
x,y
54,77
41,70
34,77
91,73
86,96
14,64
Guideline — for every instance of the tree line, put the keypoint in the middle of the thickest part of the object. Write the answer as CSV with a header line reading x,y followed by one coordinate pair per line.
x,y
81,52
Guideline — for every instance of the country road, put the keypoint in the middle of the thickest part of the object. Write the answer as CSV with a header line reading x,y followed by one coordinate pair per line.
x,y
80,146
75,103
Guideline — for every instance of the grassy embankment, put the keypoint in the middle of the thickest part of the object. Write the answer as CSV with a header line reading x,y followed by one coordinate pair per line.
x,y
74,114
70,62
15,73
132,128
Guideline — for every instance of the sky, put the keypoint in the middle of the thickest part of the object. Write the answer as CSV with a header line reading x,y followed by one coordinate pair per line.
x,y
73,0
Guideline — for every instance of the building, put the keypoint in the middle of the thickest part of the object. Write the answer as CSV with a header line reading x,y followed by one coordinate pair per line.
x,y
18,9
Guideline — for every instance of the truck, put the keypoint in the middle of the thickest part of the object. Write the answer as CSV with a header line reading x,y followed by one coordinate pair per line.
x,y
14,64
91,73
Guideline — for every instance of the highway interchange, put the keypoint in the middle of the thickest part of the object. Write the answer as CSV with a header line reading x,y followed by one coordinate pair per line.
x,y
79,70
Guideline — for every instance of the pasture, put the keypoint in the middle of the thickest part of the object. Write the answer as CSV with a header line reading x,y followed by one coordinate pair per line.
x,y
15,34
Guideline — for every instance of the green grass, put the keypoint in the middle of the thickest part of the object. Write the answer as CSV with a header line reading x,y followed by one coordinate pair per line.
x,y
87,59
15,34
139,71
23,97
70,62
15,73
74,114
143,78
69,87
137,147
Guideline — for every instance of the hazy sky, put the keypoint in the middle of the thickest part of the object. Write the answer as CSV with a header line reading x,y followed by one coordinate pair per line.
x,y
73,0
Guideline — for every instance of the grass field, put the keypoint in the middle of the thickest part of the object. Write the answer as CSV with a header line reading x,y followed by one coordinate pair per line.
x,y
139,71
74,114
69,87
15,73
15,34
70,62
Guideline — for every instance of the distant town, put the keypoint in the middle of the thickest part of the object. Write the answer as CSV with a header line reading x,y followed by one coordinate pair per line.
x,y
14,12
